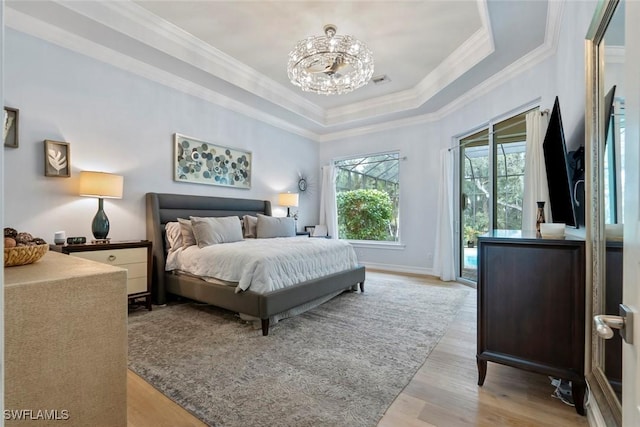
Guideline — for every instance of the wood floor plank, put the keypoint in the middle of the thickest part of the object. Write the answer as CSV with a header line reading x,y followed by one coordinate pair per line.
x,y
443,393
147,407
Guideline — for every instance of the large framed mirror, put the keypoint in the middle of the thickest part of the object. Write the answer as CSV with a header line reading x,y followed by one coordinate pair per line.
x,y
605,131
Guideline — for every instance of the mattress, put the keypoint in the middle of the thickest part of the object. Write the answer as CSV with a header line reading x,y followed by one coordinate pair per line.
x,y
265,265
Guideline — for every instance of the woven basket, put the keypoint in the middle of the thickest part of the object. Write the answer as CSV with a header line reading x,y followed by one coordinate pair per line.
x,y
21,255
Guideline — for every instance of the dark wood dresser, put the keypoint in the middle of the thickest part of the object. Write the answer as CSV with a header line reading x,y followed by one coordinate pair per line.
x,y
531,306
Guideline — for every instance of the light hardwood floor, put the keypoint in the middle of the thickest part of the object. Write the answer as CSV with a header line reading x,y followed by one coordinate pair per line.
x,y
443,393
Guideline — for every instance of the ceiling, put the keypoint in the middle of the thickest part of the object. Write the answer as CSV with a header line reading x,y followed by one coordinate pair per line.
x,y
437,55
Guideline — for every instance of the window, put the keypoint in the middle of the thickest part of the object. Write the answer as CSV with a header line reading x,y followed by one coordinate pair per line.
x,y
491,185
367,192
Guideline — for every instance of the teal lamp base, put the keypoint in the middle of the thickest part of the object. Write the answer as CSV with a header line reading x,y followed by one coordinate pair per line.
x,y
100,224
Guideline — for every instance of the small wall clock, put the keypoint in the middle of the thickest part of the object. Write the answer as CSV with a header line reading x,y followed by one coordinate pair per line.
x,y
302,184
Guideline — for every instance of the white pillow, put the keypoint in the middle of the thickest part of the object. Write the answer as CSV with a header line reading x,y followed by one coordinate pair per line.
x,y
188,239
173,235
214,230
269,226
250,224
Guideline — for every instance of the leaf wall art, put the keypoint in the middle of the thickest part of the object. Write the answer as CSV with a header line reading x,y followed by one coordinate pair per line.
x,y
57,161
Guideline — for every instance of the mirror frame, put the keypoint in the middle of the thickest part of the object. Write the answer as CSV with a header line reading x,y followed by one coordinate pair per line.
x,y
606,399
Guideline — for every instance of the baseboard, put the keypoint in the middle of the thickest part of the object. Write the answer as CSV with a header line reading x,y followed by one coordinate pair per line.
x,y
594,416
403,269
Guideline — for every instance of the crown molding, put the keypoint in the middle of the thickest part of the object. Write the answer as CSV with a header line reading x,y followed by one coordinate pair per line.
x,y
139,24
523,64
535,57
379,127
467,55
555,11
53,34
134,21
470,53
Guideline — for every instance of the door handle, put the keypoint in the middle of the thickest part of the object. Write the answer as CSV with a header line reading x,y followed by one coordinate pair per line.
x,y
605,322
624,323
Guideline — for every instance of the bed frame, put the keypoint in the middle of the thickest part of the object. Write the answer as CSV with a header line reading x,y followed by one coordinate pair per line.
x,y
164,208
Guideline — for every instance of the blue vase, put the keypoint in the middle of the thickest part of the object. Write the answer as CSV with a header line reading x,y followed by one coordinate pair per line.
x,y
100,224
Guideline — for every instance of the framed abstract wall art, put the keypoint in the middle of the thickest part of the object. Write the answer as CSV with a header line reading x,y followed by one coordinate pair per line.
x,y
202,162
57,161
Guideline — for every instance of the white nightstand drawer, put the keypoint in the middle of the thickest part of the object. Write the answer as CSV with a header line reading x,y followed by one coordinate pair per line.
x,y
133,259
132,255
136,270
115,256
136,285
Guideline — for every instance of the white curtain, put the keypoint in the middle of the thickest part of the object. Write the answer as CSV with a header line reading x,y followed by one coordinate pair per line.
x,y
328,204
535,174
444,257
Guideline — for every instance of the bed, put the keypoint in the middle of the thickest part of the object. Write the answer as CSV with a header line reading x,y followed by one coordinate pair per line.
x,y
164,208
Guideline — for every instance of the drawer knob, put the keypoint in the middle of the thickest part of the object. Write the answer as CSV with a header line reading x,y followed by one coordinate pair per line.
x,y
111,258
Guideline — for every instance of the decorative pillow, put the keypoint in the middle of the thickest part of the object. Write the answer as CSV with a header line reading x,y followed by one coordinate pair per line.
x,y
188,239
213,230
250,223
173,235
269,226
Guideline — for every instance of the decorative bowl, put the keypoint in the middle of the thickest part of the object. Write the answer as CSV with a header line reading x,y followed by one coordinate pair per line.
x,y
549,230
21,255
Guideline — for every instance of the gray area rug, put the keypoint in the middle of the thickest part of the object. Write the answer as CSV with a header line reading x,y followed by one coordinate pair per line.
x,y
340,364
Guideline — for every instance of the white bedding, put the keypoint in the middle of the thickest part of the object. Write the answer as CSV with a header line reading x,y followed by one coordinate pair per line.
x,y
264,265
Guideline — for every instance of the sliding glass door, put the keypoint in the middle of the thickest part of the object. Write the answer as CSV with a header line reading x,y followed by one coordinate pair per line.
x,y
491,185
475,198
509,138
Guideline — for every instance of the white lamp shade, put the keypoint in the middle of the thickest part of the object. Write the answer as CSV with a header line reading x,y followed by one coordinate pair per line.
x,y
101,184
288,199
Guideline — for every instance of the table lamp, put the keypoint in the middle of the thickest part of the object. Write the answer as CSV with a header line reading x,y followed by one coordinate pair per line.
x,y
101,185
290,200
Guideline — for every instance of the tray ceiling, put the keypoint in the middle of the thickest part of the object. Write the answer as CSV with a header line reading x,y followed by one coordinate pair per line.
x,y
234,53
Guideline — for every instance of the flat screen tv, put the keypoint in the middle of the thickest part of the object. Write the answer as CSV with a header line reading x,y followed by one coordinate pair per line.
x,y
562,204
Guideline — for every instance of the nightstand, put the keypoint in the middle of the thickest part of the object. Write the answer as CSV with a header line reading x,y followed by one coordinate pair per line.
x,y
134,256
303,233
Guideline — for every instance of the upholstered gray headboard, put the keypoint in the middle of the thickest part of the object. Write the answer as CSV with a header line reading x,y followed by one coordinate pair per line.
x,y
163,208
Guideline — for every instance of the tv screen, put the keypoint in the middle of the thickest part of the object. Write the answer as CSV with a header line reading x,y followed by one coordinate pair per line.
x,y
557,165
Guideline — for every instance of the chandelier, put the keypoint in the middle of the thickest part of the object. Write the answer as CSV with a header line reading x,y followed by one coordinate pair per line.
x,y
330,64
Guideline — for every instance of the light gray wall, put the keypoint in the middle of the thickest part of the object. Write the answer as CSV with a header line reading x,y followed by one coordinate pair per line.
x,y
562,74
418,191
122,123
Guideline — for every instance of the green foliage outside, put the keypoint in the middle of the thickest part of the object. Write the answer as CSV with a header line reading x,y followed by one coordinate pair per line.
x,y
364,215
476,188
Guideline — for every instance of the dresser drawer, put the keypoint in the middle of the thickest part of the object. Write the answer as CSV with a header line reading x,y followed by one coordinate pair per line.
x,y
116,256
